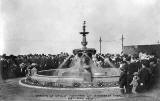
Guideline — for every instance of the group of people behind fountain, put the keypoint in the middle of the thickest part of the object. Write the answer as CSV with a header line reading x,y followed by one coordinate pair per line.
x,y
13,66
139,73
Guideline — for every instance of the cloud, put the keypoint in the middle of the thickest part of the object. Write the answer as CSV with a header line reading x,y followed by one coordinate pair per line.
x,y
51,26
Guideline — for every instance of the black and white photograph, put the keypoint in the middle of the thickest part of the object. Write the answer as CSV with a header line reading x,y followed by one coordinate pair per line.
x,y
79,50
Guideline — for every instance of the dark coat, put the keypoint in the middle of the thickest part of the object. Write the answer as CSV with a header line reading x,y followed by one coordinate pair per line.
x,y
144,75
123,79
133,67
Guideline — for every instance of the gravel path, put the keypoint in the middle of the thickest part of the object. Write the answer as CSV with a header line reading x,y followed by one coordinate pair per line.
x,y
10,90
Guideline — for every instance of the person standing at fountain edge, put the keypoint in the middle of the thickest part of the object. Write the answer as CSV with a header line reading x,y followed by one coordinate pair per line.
x,y
132,68
1,80
123,77
144,75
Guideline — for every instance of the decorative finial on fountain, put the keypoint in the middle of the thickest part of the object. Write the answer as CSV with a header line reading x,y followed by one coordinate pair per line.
x,y
84,42
84,26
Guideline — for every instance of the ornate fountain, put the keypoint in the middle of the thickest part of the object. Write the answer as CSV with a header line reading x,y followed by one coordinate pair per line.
x,y
77,71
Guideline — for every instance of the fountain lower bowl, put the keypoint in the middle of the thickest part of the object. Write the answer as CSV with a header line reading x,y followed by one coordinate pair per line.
x,y
50,78
109,84
71,82
109,89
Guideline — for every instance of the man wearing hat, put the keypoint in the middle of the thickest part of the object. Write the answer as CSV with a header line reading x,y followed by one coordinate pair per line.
x,y
123,76
144,74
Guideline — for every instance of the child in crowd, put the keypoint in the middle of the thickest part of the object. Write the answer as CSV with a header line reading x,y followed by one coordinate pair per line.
x,y
134,82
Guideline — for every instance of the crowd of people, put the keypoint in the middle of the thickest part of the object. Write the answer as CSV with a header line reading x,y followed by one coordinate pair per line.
x,y
16,66
138,73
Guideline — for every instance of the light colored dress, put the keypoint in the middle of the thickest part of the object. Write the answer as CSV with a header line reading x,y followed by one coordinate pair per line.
x,y
134,83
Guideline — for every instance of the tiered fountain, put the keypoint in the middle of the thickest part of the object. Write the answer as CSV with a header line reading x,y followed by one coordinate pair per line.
x,y
78,71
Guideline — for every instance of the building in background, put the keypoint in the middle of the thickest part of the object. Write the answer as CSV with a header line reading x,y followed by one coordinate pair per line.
x,y
149,49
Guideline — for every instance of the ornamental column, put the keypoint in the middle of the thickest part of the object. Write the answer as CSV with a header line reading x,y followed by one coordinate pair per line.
x,y
84,41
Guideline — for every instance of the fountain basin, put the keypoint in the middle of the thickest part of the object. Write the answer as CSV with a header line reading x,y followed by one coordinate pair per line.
x,y
70,81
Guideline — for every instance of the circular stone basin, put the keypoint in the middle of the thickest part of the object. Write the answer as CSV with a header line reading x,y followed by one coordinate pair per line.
x,y
49,79
92,92
69,81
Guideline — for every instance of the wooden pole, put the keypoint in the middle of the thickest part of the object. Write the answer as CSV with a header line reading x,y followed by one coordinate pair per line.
x,y
100,43
122,42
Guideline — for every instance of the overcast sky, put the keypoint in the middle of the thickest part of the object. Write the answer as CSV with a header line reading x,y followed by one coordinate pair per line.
x,y
52,26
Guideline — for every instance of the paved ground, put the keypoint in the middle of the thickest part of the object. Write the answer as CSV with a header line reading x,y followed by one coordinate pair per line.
x,y
10,90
